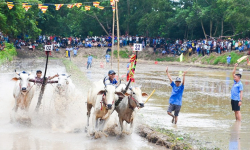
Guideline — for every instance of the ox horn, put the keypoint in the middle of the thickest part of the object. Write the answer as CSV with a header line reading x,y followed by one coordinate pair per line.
x,y
127,86
17,72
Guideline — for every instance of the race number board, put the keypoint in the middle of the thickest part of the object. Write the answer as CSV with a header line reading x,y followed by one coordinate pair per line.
x,y
137,47
48,48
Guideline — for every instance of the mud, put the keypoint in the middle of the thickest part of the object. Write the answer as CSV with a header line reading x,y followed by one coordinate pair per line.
x,y
205,114
161,139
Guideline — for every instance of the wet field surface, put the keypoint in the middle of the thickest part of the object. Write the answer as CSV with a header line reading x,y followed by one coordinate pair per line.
x,y
206,113
49,131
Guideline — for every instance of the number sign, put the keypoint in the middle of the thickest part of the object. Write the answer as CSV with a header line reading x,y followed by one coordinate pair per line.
x,y
137,47
48,48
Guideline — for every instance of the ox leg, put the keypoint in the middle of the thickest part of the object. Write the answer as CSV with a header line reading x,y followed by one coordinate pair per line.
x,y
15,107
101,124
89,107
121,124
131,126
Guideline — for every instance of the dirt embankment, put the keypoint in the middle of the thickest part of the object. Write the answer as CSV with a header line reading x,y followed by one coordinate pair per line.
x,y
162,139
213,61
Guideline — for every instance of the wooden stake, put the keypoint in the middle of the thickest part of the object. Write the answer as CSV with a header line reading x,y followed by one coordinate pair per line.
x,y
118,38
43,84
113,35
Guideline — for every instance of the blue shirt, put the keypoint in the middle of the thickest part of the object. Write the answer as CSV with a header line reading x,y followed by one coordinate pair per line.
x,y
111,82
90,59
75,51
228,59
235,91
176,95
107,57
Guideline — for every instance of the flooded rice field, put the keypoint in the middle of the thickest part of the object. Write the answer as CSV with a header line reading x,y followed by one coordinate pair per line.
x,y
205,115
48,130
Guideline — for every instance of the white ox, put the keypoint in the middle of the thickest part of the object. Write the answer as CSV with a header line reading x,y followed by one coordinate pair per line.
x,y
102,108
64,93
23,91
126,108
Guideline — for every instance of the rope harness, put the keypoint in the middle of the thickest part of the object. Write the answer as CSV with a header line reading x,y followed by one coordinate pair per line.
x,y
136,102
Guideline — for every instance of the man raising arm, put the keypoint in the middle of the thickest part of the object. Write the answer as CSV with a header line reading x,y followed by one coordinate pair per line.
x,y
175,100
236,94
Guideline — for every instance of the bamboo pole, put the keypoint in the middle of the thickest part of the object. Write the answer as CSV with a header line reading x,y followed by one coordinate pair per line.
x,y
118,38
113,35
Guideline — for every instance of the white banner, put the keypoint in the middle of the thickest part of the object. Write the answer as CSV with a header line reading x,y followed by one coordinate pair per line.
x,y
48,48
137,47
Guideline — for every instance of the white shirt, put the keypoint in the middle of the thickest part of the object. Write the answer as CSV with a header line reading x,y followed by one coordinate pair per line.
x,y
236,44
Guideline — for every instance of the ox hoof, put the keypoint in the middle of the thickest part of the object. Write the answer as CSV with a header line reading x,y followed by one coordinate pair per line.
x,y
25,121
99,134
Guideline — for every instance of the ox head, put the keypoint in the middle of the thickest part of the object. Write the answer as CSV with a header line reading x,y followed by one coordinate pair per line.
x,y
24,78
110,93
63,80
136,95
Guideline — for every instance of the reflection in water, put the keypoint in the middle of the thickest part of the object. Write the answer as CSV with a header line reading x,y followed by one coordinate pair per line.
x,y
234,143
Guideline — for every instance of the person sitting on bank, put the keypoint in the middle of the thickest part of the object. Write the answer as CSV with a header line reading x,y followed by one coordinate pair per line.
x,y
175,100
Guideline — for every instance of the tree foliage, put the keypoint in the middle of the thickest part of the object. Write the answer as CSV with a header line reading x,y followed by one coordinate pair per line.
x,y
189,19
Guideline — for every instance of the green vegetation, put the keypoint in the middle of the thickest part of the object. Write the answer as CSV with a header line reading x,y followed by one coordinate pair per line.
x,y
215,59
183,139
168,59
223,58
8,53
75,72
170,19
122,54
176,138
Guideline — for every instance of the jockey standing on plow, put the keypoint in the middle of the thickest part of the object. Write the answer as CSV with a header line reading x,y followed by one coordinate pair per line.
x,y
110,79
39,78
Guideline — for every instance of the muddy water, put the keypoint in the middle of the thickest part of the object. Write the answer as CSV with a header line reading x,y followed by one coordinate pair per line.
x,y
48,130
206,112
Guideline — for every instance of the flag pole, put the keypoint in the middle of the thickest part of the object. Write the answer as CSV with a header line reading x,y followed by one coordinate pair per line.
x,y
113,35
118,38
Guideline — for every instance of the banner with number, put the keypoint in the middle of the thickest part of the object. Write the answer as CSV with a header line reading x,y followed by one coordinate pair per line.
x,y
137,47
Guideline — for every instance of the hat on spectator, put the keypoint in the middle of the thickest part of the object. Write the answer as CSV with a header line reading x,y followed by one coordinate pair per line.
x,y
178,79
111,72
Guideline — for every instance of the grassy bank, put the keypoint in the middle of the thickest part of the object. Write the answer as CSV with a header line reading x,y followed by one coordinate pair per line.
x,y
214,58
76,74
122,53
8,53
